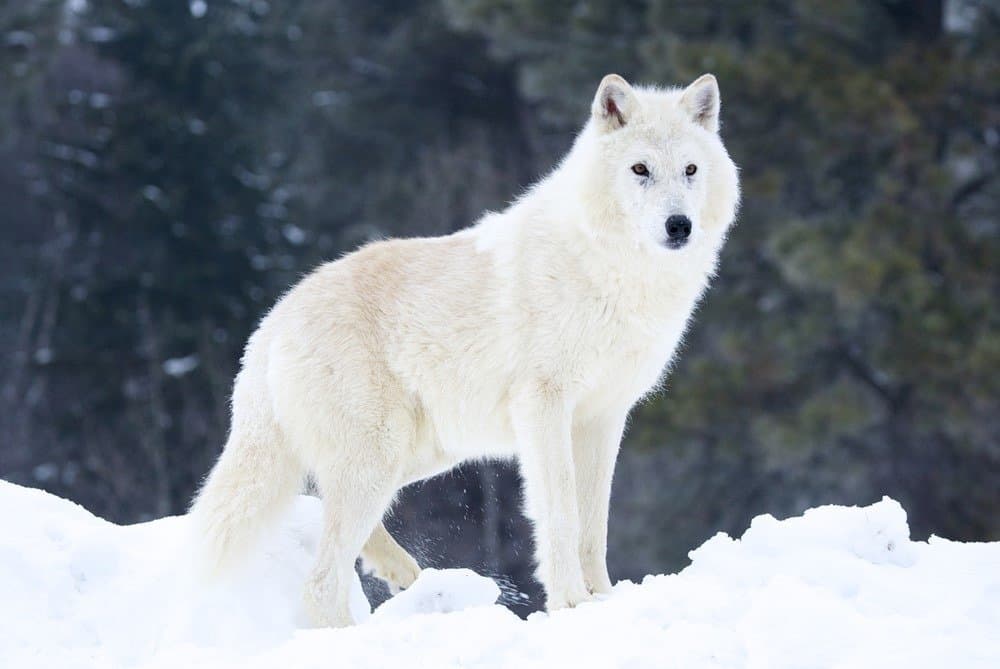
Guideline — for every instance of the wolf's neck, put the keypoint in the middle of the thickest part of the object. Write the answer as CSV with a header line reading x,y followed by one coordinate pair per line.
x,y
570,193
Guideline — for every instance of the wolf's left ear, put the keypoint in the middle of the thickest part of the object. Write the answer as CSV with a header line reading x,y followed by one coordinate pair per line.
x,y
614,103
701,101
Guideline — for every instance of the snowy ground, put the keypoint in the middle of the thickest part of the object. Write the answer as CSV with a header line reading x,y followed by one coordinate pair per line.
x,y
836,587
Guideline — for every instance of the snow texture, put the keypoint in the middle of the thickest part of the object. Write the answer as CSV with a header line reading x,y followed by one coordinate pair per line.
x,y
836,587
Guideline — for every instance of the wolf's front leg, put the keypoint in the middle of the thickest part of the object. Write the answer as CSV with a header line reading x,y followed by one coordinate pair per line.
x,y
595,449
542,429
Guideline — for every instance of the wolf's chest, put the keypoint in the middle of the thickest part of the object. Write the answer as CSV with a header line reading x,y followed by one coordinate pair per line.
x,y
623,355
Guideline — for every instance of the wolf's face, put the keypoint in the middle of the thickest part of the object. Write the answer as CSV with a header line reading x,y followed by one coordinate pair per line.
x,y
669,178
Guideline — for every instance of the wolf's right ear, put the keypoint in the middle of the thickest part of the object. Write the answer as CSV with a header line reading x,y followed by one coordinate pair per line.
x,y
614,103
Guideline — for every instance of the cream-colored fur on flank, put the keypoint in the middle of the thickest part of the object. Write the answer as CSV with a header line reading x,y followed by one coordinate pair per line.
x,y
530,334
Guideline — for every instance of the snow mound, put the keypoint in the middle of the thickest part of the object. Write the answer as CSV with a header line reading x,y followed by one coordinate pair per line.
x,y
836,587
440,591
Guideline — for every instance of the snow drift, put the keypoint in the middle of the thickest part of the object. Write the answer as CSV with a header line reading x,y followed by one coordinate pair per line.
x,y
836,587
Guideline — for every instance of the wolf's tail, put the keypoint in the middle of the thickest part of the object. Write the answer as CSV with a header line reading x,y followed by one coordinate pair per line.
x,y
254,480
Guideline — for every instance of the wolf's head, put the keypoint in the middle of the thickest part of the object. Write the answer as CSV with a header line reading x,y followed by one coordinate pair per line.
x,y
660,173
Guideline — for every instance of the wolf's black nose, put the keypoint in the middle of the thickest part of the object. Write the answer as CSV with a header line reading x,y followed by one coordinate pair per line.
x,y
678,228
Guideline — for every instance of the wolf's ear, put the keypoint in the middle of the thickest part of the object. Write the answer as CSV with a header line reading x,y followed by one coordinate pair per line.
x,y
614,103
701,101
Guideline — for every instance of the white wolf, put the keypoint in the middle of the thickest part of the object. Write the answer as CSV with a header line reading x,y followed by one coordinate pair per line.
x,y
530,334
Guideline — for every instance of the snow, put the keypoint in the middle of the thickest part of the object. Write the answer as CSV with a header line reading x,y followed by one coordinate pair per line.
x,y
181,366
837,587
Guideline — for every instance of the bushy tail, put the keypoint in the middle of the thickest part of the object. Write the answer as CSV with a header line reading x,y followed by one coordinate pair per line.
x,y
253,481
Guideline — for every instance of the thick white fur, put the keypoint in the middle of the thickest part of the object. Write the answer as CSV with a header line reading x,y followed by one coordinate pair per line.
x,y
530,334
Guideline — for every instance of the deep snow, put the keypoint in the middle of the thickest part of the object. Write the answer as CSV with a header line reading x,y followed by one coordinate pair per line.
x,y
837,587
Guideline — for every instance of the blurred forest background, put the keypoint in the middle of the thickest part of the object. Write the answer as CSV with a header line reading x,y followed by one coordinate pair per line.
x,y
167,169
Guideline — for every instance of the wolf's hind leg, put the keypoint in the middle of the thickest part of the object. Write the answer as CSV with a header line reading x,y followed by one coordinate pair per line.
x,y
350,513
389,561
357,486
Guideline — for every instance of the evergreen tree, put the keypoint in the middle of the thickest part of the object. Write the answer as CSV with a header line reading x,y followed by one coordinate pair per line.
x,y
176,209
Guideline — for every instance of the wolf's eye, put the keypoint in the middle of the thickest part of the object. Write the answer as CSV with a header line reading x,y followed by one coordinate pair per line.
x,y
690,169
640,169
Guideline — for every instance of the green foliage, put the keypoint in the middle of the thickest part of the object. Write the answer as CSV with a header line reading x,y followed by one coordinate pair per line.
x,y
29,32
175,208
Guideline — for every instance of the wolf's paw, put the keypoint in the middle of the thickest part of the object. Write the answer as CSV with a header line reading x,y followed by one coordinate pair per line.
x,y
401,578
595,574
399,575
566,598
319,615
326,606
599,586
